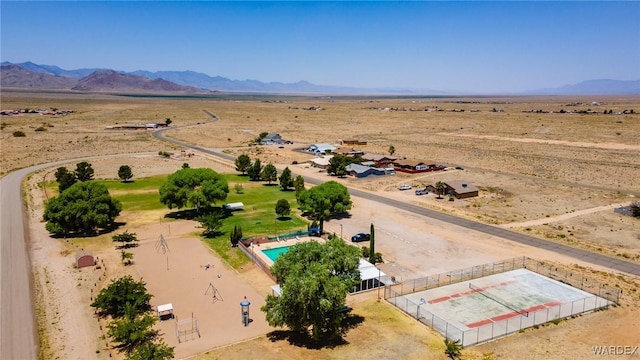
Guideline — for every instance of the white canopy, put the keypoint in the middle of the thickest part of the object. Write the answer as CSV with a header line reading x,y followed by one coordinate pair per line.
x,y
165,308
369,271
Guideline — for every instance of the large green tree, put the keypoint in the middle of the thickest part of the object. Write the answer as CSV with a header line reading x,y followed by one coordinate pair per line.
x,y
269,173
82,208
338,165
255,170
315,279
151,350
283,208
132,332
286,179
84,171
123,296
65,178
124,173
298,185
325,200
211,222
198,188
243,163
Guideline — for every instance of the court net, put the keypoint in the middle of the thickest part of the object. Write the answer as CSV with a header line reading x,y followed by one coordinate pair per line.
x,y
500,301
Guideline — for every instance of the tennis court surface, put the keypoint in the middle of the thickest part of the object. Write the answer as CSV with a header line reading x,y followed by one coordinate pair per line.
x,y
485,308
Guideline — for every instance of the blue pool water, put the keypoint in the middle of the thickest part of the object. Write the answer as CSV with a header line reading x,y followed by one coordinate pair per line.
x,y
275,252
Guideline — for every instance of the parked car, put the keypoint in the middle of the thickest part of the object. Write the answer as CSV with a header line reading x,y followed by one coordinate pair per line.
x,y
404,187
422,191
360,237
459,168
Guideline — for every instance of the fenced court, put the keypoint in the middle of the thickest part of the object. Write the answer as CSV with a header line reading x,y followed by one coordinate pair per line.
x,y
482,303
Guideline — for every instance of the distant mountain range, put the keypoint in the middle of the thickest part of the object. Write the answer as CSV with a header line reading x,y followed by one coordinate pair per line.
x,y
35,76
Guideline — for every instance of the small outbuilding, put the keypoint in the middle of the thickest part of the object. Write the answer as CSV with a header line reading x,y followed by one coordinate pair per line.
x,y
165,311
84,259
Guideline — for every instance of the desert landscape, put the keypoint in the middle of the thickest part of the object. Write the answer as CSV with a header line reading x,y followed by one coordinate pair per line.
x,y
552,167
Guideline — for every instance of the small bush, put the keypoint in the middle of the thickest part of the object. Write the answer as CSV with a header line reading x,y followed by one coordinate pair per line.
x,y
41,128
19,134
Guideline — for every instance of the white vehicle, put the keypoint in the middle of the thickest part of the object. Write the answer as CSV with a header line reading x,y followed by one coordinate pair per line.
x,y
422,191
404,187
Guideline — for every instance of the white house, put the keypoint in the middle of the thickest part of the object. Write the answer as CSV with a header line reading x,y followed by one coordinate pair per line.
x,y
320,148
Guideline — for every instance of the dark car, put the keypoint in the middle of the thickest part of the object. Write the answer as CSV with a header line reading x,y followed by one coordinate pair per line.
x,y
360,237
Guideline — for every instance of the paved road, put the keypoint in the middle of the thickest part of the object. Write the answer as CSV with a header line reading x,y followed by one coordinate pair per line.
x,y
18,336
18,329
584,255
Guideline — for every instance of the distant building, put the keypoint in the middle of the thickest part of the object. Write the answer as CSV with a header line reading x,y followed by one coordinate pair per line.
x,y
460,189
361,171
271,139
378,159
321,162
353,142
320,149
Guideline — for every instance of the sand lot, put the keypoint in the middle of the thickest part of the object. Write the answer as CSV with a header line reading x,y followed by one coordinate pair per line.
x,y
535,171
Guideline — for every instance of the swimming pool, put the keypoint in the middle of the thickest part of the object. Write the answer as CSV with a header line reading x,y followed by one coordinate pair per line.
x,y
273,253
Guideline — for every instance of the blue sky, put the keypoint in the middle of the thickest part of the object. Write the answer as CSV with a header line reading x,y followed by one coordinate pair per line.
x,y
462,46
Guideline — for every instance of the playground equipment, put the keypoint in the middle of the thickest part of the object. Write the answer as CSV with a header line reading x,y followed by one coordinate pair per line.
x,y
215,294
186,329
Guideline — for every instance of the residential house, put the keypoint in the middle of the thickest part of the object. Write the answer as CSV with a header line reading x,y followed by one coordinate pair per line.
x,y
271,139
379,160
361,171
320,149
460,189
414,166
321,162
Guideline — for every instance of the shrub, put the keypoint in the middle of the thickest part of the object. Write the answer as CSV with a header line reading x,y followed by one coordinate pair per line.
x,y
635,209
41,128
19,134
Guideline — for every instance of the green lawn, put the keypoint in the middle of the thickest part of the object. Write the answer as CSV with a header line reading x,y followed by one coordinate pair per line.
x,y
257,219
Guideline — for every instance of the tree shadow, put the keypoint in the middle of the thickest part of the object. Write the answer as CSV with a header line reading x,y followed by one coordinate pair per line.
x,y
192,214
78,234
341,216
127,246
284,218
303,338
271,185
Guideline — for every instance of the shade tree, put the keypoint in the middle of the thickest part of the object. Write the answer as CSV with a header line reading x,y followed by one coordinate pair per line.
x,y
315,279
83,208
283,208
194,187
124,173
255,170
324,201
123,296
286,179
269,173
84,171
243,163
65,178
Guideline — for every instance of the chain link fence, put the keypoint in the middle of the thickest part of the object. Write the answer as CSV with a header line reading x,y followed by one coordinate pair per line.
x,y
603,296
